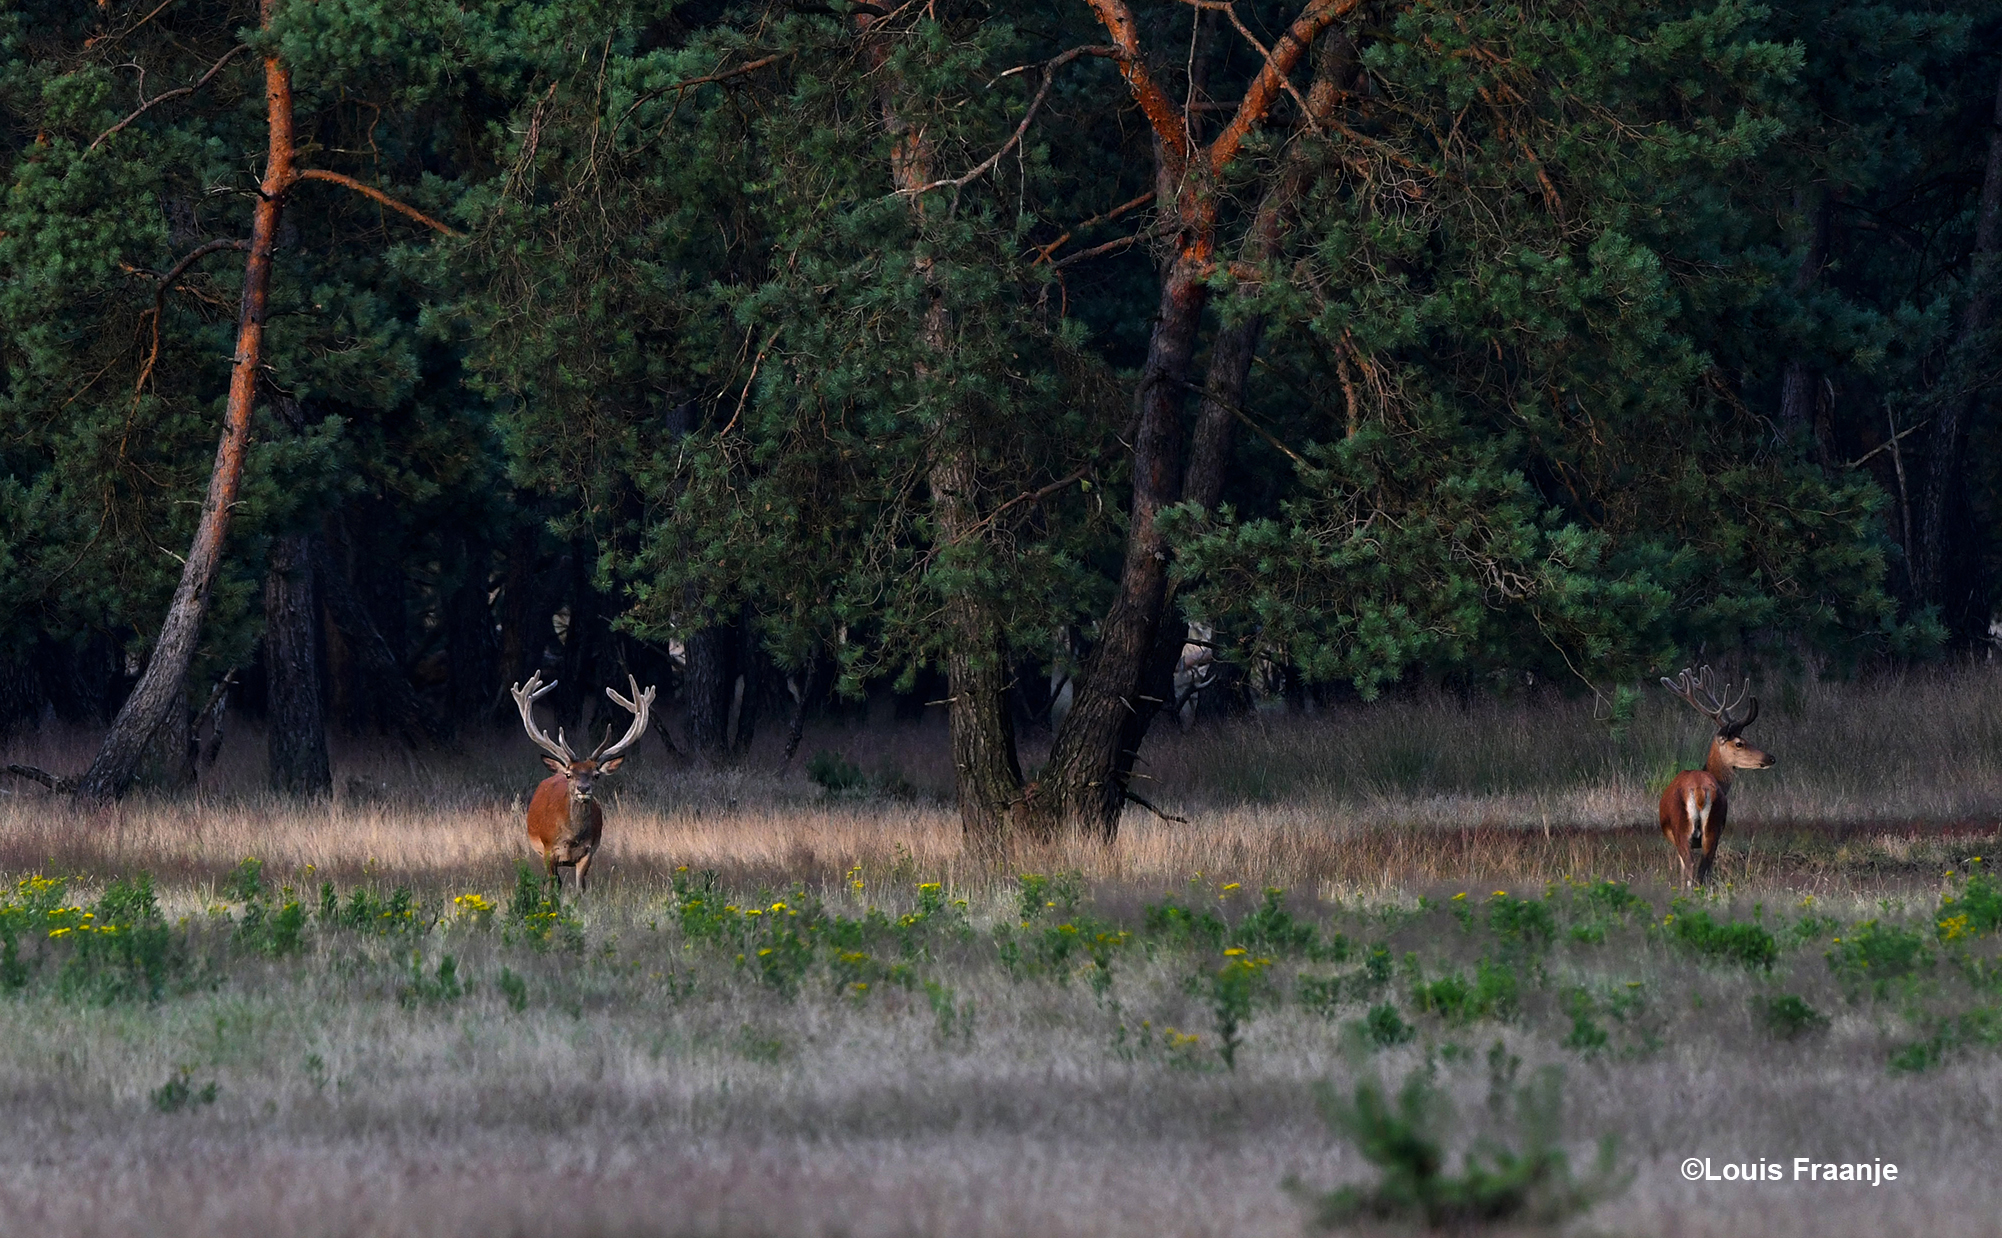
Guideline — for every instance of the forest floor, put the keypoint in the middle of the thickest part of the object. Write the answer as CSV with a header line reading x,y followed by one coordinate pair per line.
x,y
785,1011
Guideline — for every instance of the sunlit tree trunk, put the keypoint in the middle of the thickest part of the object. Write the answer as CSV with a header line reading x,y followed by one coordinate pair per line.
x,y
161,689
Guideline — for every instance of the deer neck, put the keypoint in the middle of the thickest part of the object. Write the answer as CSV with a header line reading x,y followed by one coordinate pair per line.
x,y
580,816
1717,767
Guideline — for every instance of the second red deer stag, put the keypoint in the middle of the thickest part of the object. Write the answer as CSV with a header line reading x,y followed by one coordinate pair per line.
x,y
1696,804
564,820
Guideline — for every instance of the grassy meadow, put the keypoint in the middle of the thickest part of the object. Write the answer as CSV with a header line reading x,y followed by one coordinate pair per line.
x,y
786,1011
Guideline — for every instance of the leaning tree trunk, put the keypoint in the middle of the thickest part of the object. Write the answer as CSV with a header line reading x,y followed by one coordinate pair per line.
x,y
298,727
161,689
1080,782
1128,675
1940,493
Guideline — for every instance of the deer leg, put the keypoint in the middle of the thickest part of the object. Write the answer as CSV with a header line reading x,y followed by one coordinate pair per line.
x,y
583,867
1713,833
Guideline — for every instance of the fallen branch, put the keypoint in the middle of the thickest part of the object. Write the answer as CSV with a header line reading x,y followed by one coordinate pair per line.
x,y
54,782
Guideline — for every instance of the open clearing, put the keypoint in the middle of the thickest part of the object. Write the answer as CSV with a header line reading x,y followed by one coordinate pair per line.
x,y
915,1042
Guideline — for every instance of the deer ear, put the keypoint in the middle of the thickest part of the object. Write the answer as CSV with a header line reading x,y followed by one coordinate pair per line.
x,y
556,765
611,765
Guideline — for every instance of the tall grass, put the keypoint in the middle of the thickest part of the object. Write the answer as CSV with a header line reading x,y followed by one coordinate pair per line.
x,y
1874,781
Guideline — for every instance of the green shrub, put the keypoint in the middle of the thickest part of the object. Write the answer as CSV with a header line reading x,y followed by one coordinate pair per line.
x,y
514,989
1383,1027
1490,995
1736,941
834,773
1788,1017
432,990
1876,954
1172,924
246,883
1271,929
1233,990
125,950
1321,994
1521,922
1058,895
1976,912
1586,1035
1980,1026
177,1093
1530,1182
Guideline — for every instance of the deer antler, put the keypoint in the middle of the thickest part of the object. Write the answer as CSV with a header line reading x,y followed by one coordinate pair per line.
x,y
639,706
1699,691
525,696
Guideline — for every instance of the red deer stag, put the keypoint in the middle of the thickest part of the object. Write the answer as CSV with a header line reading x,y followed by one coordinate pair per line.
x,y
564,820
1694,808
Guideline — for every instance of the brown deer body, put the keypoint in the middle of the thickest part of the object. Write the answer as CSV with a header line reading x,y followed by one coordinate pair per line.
x,y
1696,805
565,823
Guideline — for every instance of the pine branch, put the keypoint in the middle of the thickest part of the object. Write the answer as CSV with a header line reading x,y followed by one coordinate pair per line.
x,y
321,174
176,93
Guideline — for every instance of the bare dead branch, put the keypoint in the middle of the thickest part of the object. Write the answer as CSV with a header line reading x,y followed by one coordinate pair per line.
x,y
1031,497
321,174
176,93
1097,251
986,165
1165,816
1229,9
166,284
1043,252
54,782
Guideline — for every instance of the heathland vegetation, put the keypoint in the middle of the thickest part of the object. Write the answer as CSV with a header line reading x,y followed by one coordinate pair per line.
x,y
1371,977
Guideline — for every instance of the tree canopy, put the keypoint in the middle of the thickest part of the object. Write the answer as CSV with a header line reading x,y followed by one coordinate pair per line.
x,y
870,345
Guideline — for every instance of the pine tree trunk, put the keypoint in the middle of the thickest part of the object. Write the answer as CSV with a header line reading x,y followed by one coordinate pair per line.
x,y
298,729
987,771
708,678
1797,386
752,667
388,686
1129,675
161,689
469,641
1942,573
1081,783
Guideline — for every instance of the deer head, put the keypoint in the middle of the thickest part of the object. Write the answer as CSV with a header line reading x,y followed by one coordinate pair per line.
x,y
582,774
1728,750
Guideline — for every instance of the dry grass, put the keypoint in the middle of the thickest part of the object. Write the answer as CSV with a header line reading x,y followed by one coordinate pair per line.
x,y
648,1089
